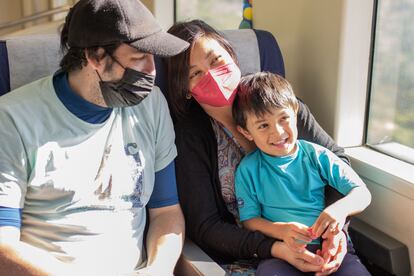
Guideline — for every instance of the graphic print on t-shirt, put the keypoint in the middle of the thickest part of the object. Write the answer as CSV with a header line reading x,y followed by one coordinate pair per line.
x,y
131,150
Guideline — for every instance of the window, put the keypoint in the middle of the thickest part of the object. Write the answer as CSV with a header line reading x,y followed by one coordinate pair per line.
x,y
220,14
391,108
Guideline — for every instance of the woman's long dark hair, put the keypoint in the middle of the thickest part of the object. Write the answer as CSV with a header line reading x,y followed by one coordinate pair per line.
x,y
178,66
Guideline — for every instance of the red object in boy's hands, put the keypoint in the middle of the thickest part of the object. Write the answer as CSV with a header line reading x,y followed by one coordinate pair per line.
x,y
313,236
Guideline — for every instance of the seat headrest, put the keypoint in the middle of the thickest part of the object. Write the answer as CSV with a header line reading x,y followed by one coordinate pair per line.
x,y
31,57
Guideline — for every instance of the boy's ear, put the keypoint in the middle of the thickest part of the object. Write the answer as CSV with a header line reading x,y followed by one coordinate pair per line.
x,y
245,133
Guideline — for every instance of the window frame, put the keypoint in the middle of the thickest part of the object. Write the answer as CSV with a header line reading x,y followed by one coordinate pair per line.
x,y
386,148
351,120
175,16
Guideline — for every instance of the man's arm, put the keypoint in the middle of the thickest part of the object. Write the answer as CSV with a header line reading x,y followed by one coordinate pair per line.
x,y
165,239
18,258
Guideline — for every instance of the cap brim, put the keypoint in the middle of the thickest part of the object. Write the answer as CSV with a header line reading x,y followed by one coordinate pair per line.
x,y
161,44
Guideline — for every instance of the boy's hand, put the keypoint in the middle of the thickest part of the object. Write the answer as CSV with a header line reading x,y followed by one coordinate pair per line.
x,y
331,220
334,249
296,235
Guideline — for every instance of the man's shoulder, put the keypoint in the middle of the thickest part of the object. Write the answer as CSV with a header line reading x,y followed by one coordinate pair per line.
x,y
27,94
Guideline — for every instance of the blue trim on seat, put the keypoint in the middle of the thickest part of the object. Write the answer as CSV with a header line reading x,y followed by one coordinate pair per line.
x,y
161,76
4,69
270,55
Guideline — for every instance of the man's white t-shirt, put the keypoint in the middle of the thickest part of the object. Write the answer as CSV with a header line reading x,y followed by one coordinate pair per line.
x,y
82,187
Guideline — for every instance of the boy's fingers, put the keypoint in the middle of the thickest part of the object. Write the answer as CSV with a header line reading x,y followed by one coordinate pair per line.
x,y
302,239
315,226
321,228
332,229
332,265
303,231
334,247
331,246
336,230
327,257
335,261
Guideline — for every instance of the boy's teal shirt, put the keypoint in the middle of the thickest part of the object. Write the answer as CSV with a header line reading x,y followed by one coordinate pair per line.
x,y
291,188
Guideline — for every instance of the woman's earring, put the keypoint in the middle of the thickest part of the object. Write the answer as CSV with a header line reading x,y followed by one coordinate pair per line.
x,y
188,96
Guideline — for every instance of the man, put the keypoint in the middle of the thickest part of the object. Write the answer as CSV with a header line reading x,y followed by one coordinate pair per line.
x,y
85,151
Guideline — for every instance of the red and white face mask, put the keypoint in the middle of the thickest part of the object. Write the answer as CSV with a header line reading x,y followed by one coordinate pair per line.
x,y
218,87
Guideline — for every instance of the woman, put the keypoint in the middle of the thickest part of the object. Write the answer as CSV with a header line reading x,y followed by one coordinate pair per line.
x,y
210,148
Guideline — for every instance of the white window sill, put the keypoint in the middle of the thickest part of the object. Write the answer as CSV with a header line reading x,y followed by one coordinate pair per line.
x,y
389,172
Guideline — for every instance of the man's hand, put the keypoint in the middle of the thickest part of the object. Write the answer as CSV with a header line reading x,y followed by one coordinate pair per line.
x,y
304,261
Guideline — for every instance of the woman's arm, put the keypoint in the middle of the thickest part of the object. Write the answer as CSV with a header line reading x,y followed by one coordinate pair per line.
x,y
310,130
208,223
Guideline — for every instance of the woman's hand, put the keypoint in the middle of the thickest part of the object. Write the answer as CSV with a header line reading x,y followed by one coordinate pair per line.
x,y
304,260
334,249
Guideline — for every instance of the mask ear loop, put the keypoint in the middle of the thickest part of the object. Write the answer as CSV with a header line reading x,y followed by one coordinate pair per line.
x,y
114,59
99,76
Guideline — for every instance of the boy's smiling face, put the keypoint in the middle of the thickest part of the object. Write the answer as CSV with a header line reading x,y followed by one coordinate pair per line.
x,y
275,133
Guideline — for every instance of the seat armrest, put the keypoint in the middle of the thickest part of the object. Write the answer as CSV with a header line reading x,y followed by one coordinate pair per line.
x,y
378,250
194,261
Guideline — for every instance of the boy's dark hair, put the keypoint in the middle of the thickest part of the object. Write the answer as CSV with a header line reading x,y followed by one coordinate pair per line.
x,y
260,92
75,58
178,65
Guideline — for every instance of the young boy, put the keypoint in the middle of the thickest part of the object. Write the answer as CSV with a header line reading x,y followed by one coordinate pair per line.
x,y
280,186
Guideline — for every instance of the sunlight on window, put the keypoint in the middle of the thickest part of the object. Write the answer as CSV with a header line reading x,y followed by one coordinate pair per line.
x,y
391,111
223,14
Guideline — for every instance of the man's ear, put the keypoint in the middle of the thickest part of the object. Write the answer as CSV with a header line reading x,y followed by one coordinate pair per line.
x,y
245,133
97,59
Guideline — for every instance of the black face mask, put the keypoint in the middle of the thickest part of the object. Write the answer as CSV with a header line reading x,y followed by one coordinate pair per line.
x,y
130,90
